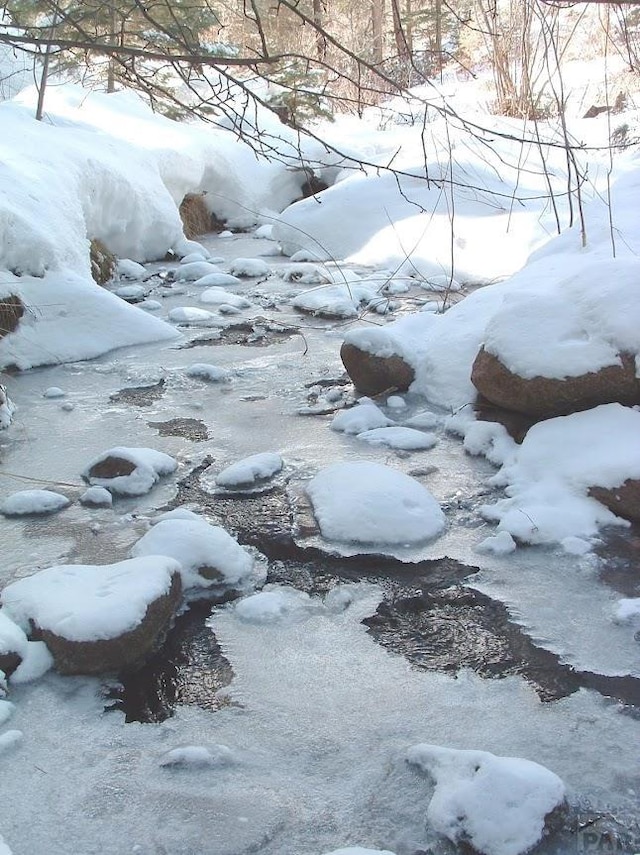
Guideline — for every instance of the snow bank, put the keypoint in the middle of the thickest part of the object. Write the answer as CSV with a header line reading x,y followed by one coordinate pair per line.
x,y
207,554
547,478
498,805
363,502
89,602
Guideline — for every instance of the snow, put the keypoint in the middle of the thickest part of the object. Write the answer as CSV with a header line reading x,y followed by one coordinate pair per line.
x,y
150,465
251,470
130,292
8,740
4,848
207,554
275,604
376,341
128,269
197,757
98,497
12,638
404,438
219,297
192,315
496,804
339,301
7,409
396,402
249,267
207,371
195,270
217,280
36,661
82,602
365,416
53,392
499,544
627,609
33,502
362,502
547,478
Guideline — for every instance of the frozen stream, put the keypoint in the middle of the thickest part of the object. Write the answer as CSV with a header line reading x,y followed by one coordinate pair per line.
x,y
321,715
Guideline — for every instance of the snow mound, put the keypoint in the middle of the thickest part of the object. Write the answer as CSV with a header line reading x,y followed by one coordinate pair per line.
x,y
498,805
128,269
206,371
219,297
192,315
548,477
197,756
249,267
4,848
195,270
627,610
363,417
337,301
82,602
306,274
8,740
499,544
98,497
274,605
404,438
251,470
217,280
377,342
53,392
148,464
33,502
207,554
363,502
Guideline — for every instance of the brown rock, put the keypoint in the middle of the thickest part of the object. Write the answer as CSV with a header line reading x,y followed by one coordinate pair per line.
x,y
373,375
196,217
9,662
546,397
624,500
516,424
103,262
111,467
11,310
115,654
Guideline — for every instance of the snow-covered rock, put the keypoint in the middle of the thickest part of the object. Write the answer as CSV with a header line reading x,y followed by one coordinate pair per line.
x,y
195,270
207,371
128,269
129,471
497,805
250,471
7,408
359,850
208,556
192,315
217,280
97,618
364,416
273,605
249,267
220,297
627,610
376,361
342,300
33,502
404,438
362,502
197,757
97,497
53,392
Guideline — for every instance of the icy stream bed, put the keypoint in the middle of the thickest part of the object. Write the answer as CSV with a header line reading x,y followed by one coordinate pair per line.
x,y
320,714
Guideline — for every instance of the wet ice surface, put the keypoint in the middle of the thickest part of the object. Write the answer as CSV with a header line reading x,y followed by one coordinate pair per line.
x,y
321,714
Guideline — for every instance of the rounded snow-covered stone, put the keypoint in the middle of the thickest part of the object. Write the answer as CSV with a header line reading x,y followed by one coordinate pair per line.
x,y
129,471
97,497
404,438
365,416
208,372
195,270
97,618
362,502
197,756
131,293
53,392
250,471
220,297
249,267
376,368
128,269
191,315
217,280
33,502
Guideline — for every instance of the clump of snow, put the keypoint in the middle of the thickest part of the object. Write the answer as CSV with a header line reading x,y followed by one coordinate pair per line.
x,y
340,301
130,292
98,497
197,756
150,465
306,274
424,420
220,297
378,341
150,305
36,661
8,740
33,502
192,315
128,269
364,502
207,554
249,267
308,255
489,439
200,255
251,470
547,478
53,392
264,231
89,602
627,610
7,409
498,805
12,638
208,372
499,544
180,513
404,438
195,270
217,280
273,605
363,417
396,402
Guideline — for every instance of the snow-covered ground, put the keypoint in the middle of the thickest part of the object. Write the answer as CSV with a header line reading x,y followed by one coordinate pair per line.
x,y
312,754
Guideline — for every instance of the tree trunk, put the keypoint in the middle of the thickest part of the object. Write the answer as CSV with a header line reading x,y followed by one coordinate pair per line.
x,y
318,20
398,33
377,20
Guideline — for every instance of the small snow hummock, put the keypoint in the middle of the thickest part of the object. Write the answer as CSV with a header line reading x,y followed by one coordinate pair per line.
x,y
33,502
396,402
364,502
364,416
498,805
249,267
128,269
195,270
89,602
8,740
407,439
274,605
220,297
627,610
208,372
251,470
7,408
132,293
197,756
207,554
191,315
53,392
217,280
96,497
499,544
148,464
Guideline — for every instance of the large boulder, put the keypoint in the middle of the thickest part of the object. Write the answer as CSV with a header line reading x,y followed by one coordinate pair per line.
x,y
547,397
97,619
129,471
372,374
